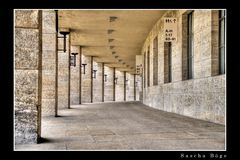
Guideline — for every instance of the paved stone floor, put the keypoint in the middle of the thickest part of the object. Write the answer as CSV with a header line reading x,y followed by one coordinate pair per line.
x,y
126,126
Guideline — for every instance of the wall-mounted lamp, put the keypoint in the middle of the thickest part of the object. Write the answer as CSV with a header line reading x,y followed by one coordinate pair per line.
x,y
113,52
115,80
105,78
83,65
94,73
73,59
64,33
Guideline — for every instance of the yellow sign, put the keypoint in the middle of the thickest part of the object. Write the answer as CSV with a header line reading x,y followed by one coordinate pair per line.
x,y
170,29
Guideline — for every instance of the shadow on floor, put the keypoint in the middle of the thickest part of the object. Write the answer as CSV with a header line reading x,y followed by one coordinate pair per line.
x,y
58,116
43,140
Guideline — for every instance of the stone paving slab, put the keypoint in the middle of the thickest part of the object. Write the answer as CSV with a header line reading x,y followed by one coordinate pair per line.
x,y
126,126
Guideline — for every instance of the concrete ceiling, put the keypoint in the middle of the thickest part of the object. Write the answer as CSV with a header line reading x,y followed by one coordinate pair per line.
x,y
116,41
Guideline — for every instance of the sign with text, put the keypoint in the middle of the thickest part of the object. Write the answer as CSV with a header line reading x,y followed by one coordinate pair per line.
x,y
139,65
170,29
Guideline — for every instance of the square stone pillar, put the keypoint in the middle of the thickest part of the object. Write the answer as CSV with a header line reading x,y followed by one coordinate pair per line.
x,y
130,87
124,85
103,82
108,84
75,77
86,79
139,88
28,75
49,50
114,84
97,82
119,89
63,73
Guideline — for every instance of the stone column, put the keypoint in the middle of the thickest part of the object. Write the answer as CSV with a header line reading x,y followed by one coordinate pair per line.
x,y
63,73
114,75
49,50
28,75
120,86
86,79
129,87
75,73
124,85
108,85
134,86
91,86
56,65
69,71
97,82
80,75
103,82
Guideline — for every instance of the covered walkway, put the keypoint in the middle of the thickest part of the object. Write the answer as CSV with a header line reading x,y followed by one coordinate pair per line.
x,y
126,126
122,79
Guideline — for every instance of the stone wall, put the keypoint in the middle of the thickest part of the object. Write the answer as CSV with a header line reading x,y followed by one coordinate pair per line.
x,y
48,62
202,97
28,80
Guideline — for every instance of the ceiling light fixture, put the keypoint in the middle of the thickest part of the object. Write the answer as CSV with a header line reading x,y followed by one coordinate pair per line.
x,y
112,18
111,47
110,40
110,31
